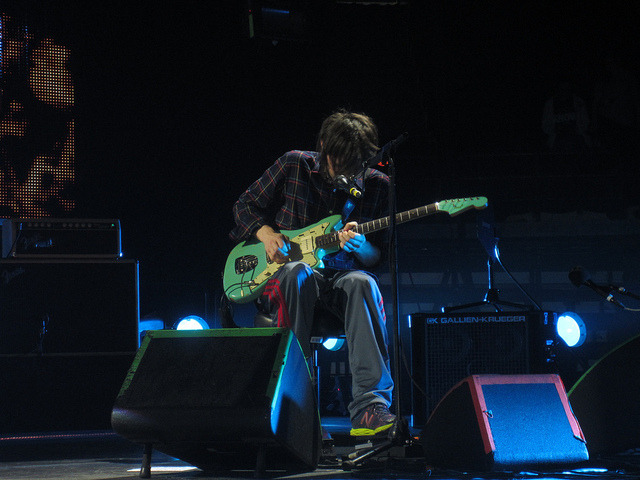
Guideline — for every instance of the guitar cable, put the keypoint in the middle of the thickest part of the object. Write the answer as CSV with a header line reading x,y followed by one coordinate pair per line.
x,y
497,256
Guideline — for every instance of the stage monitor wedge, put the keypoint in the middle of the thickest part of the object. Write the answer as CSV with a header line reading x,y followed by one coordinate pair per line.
x,y
504,422
222,399
605,400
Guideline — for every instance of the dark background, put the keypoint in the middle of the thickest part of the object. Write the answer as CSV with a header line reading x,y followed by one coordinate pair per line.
x,y
178,110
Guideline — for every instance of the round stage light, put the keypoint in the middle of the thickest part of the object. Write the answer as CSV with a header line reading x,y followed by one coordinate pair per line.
x,y
571,329
191,322
333,344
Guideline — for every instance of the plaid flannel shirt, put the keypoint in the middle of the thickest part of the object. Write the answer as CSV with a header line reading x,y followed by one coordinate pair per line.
x,y
291,194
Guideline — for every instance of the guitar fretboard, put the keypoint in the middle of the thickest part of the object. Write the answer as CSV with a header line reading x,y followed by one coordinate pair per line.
x,y
380,224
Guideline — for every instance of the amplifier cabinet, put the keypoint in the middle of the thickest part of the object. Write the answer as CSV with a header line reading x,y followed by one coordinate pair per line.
x,y
449,347
68,333
66,306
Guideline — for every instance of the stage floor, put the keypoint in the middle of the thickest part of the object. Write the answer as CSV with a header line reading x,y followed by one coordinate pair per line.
x,y
103,455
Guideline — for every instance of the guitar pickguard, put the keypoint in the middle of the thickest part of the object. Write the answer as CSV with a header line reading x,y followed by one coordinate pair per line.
x,y
302,249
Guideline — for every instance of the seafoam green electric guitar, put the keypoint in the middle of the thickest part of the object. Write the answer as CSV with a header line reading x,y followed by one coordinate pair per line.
x,y
248,267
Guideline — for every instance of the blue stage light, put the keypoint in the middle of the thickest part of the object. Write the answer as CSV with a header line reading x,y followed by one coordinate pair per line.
x,y
149,324
191,322
571,329
333,344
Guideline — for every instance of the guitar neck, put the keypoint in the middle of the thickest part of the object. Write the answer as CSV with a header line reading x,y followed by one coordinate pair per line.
x,y
402,217
381,223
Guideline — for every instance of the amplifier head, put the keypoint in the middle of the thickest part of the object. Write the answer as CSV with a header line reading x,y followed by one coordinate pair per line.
x,y
61,238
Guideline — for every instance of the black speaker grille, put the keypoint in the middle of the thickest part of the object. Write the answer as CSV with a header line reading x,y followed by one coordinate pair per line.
x,y
70,306
455,352
203,372
448,348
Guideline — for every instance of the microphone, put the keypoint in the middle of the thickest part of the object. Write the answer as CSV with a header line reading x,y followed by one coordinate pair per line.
x,y
385,151
343,183
579,276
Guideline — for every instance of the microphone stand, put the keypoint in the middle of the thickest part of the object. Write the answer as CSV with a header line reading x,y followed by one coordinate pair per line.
x,y
399,433
622,291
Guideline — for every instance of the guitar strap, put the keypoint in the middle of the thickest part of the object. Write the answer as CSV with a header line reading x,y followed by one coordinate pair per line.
x,y
349,205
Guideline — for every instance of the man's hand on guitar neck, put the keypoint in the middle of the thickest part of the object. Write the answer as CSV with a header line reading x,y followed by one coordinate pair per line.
x,y
350,241
276,244
358,244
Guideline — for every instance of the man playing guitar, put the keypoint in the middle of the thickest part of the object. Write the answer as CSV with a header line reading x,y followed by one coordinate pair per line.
x,y
296,191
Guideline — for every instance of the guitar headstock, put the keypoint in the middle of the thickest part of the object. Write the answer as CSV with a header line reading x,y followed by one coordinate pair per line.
x,y
456,206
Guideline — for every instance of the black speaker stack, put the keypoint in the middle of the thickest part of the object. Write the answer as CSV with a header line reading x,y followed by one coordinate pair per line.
x,y
69,313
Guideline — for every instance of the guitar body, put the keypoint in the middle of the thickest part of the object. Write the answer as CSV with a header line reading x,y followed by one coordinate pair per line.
x,y
247,268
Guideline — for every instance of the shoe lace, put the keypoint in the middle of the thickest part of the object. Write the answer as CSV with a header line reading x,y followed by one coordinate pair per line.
x,y
382,410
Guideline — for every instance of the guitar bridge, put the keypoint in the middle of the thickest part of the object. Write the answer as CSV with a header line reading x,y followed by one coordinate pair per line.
x,y
245,264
